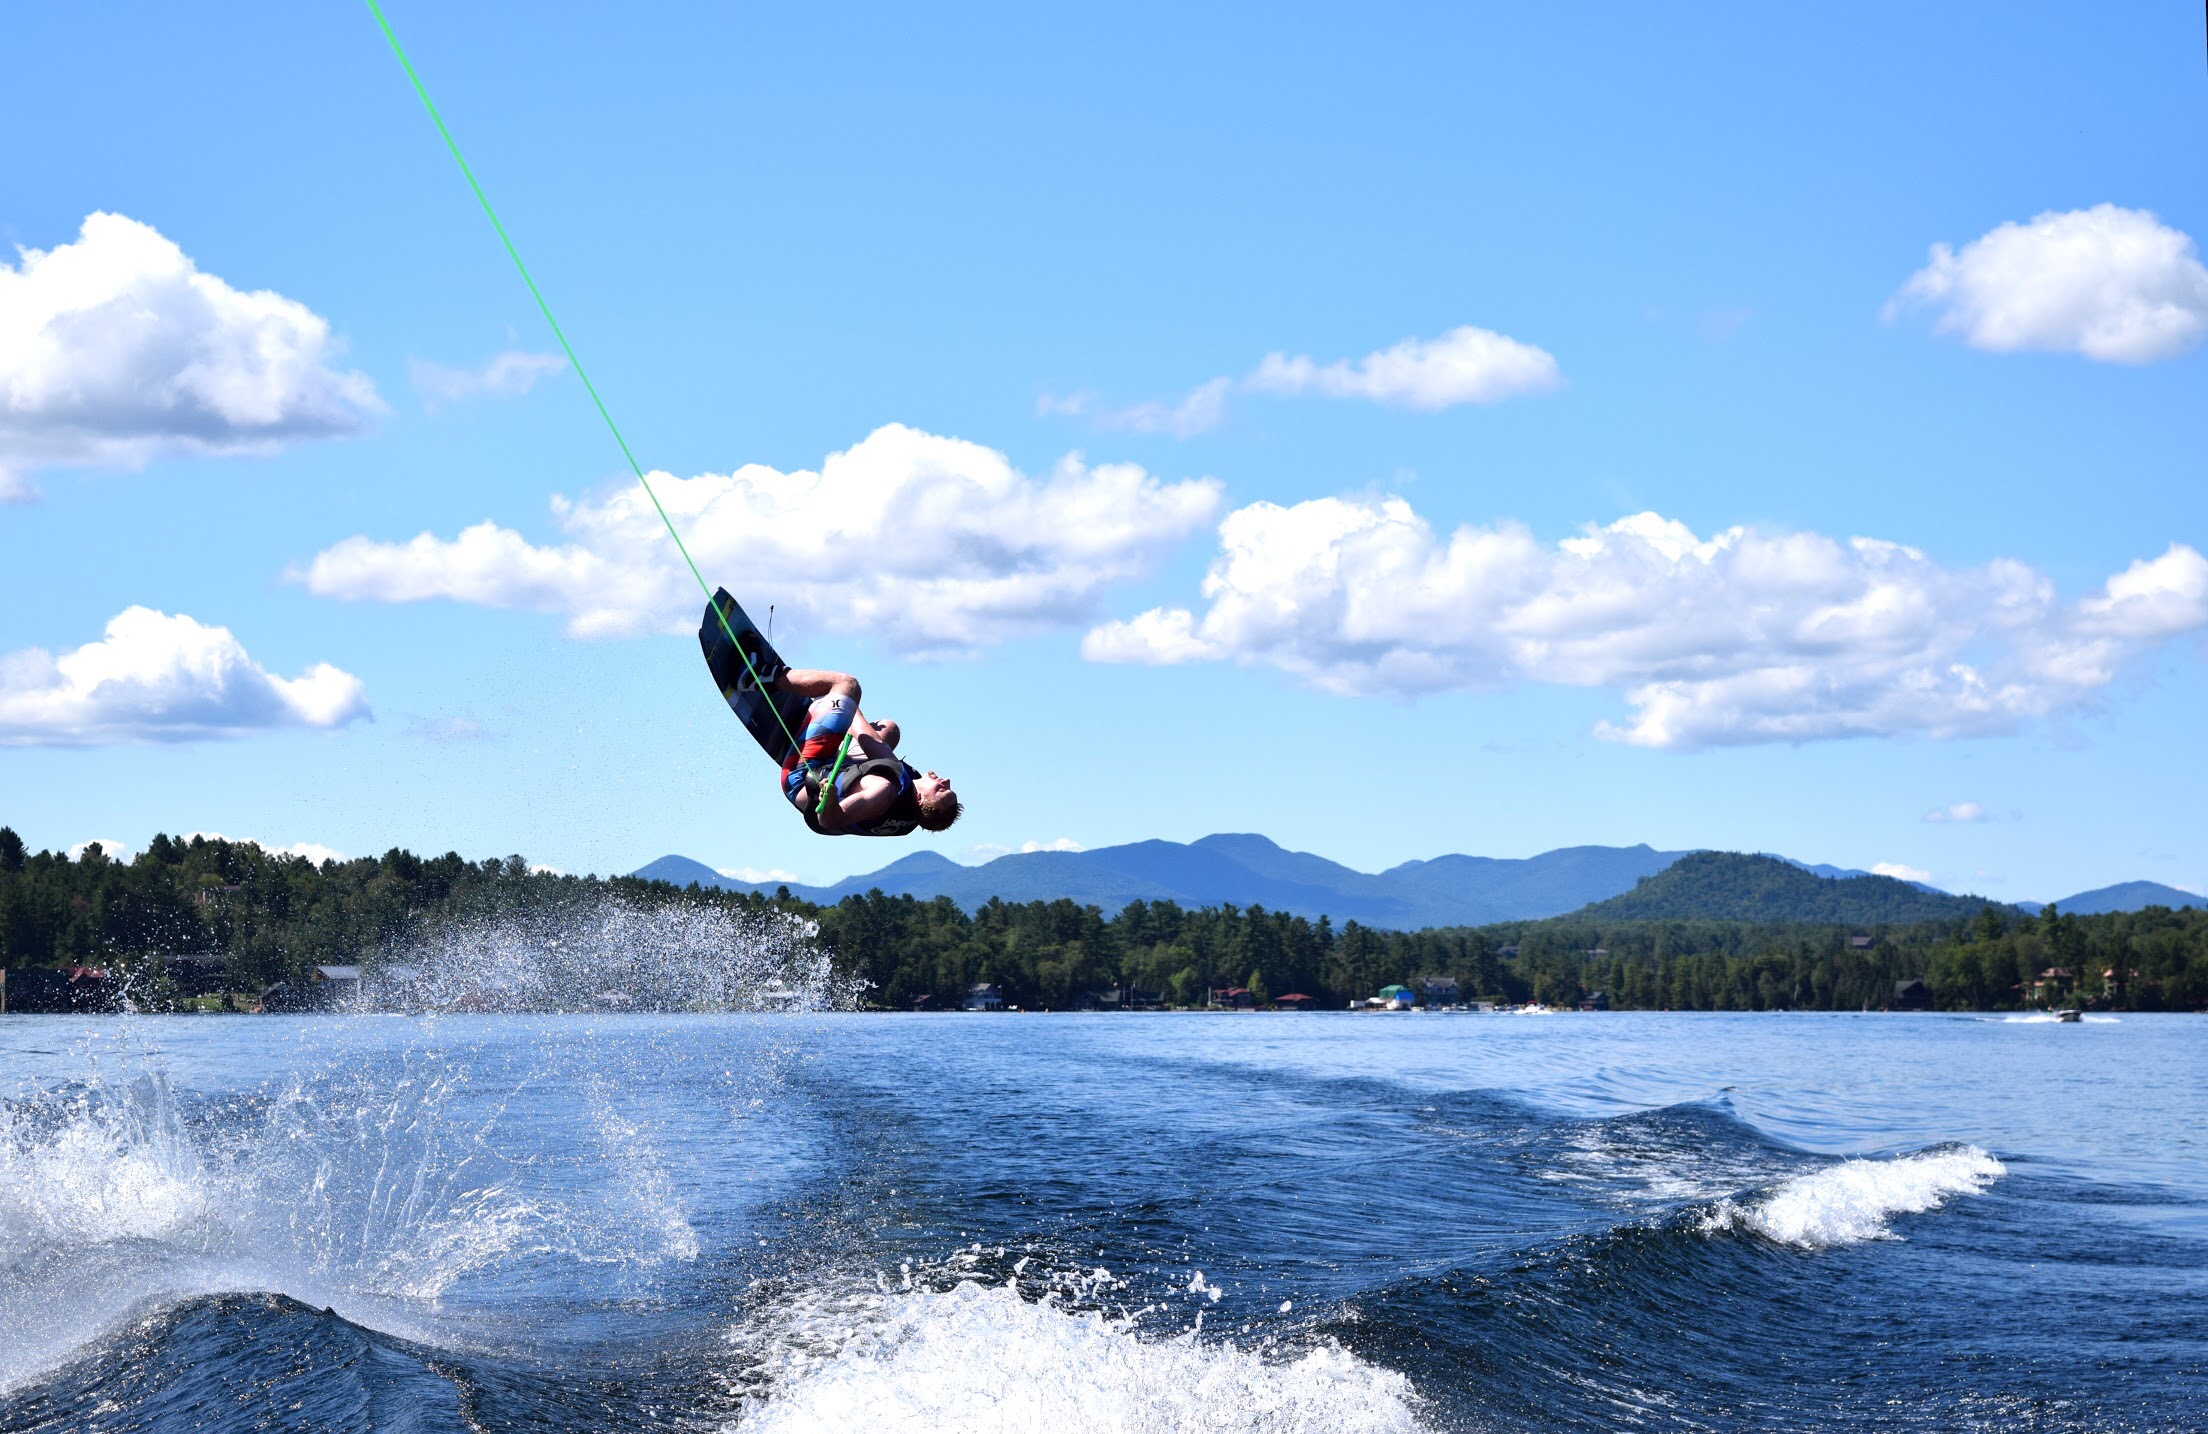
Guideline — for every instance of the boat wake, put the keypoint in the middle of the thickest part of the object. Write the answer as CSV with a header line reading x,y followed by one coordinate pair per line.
x,y
1040,1352
1853,1201
370,1192
374,1171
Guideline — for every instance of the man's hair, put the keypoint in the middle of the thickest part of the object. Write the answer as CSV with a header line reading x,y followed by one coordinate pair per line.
x,y
938,811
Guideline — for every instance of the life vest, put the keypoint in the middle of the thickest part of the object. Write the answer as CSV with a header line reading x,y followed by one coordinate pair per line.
x,y
903,815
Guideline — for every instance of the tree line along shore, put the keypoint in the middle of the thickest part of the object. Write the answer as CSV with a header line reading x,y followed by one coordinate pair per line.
x,y
271,918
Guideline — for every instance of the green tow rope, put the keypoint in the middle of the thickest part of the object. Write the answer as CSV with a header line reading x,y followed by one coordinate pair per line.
x,y
588,386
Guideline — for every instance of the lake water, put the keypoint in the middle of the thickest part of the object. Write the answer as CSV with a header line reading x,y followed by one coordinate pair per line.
x,y
1118,1222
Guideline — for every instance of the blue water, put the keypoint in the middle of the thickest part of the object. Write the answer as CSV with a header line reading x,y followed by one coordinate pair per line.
x,y
1119,1222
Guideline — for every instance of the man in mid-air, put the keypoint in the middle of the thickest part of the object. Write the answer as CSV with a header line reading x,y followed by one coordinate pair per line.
x,y
875,793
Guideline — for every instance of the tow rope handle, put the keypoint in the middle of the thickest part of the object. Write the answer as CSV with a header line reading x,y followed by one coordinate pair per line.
x,y
828,788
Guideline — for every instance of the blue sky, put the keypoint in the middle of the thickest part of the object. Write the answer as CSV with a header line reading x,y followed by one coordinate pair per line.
x,y
1694,254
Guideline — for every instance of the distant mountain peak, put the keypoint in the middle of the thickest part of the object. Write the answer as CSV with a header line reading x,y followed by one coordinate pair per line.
x,y
2129,896
914,862
1233,841
1743,886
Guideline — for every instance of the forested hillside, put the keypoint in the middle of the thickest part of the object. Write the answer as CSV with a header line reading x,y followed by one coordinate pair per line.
x,y
274,916
1734,886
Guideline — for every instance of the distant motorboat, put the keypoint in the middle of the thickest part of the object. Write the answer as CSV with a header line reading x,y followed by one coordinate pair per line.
x,y
2070,1018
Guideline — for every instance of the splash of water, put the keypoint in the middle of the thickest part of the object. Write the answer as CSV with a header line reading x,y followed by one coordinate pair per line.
x,y
373,1172
1853,1201
607,954
950,1350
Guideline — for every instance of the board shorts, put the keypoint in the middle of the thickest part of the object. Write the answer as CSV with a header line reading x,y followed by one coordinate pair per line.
x,y
827,723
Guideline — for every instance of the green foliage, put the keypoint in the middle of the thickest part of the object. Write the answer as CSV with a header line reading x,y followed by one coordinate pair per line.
x,y
1732,886
276,915
273,916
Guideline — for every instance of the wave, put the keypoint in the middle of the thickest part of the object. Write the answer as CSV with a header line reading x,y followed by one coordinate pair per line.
x,y
1695,1151
2049,1018
984,1355
1851,1202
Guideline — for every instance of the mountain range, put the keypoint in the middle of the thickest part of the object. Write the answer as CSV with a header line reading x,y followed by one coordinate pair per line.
x,y
1244,869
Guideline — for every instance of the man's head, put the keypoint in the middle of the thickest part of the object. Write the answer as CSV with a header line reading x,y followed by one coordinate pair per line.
x,y
939,805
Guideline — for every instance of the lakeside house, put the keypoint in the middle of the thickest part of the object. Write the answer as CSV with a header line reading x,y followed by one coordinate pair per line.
x,y
1234,998
1439,990
1595,1001
2054,982
327,988
333,985
1295,1001
982,996
1119,998
202,975
1911,995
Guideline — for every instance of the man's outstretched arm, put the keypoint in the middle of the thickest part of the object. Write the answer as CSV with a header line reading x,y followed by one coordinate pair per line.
x,y
819,682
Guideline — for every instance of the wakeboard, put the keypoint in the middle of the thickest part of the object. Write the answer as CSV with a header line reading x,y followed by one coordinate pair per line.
x,y
774,719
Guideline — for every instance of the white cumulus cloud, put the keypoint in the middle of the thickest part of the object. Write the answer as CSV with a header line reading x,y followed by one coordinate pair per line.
x,y
1899,872
116,348
936,543
990,850
511,372
2112,284
1743,637
313,851
158,678
1464,365
757,875
1958,812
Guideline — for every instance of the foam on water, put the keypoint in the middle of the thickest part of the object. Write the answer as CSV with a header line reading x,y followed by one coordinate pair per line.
x,y
1851,1202
370,1176
981,1356
91,1182
1654,1157
375,1202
